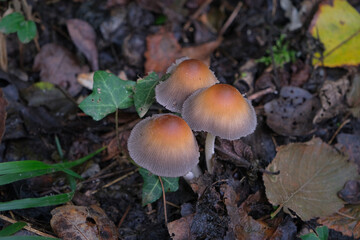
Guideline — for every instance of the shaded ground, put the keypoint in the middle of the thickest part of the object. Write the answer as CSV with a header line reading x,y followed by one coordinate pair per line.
x,y
123,35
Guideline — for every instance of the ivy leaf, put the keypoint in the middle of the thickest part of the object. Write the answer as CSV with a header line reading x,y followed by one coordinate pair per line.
x,y
26,31
11,23
152,187
144,93
109,93
322,233
310,176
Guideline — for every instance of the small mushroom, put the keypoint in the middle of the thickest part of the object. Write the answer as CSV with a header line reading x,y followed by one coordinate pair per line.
x,y
187,76
221,111
165,145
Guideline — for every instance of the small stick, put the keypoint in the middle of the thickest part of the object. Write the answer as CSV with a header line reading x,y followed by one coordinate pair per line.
x,y
261,93
120,178
27,227
230,19
172,204
117,127
124,216
196,14
346,121
164,199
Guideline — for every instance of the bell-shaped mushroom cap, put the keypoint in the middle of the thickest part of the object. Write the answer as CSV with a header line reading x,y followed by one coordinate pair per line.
x,y
165,145
187,77
220,110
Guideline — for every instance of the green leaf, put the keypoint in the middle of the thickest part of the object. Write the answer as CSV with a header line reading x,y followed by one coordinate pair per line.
x,y
109,93
26,31
309,236
152,187
11,23
322,232
28,238
144,93
36,202
13,228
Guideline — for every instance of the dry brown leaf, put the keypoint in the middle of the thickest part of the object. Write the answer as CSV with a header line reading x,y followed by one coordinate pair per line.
x,y
180,229
332,95
292,113
300,73
311,174
243,225
57,65
351,143
78,222
162,50
202,51
3,104
84,37
346,221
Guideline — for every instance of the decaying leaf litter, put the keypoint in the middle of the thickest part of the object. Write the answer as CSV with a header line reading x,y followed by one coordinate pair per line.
x,y
297,171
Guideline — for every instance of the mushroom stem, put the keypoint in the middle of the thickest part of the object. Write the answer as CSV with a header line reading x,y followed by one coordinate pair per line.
x,y
194,173
209,151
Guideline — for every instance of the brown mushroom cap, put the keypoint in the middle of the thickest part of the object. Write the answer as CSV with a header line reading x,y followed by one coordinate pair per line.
x,y
165,145
220,110
187,77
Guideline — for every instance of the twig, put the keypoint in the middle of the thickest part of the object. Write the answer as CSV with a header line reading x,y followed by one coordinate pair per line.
x,y
124,216
172,204
117,180
27,227
196,14
164,200
262,93
230,19
346,121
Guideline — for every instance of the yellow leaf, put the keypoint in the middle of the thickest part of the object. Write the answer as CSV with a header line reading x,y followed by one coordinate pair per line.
x,y
337,25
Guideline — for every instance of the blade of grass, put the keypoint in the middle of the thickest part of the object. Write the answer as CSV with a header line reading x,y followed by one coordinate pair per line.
x,y
11,229
28,238
36,202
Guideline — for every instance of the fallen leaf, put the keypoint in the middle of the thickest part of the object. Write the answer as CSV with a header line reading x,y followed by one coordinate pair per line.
x,y
332,95
78,222
286,230
243,225
162,50
3,104
300,73
46,94
292,113
203,51
84,37
351,192
57,65
351,143
337,25
180,229
347,221
310,176
292,14
86,80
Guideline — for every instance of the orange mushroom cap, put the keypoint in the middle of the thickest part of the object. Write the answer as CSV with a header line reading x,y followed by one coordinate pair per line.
x,y
165,145
186,77
220,110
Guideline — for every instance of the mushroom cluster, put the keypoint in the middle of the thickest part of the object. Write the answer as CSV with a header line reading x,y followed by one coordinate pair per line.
x,y
165,145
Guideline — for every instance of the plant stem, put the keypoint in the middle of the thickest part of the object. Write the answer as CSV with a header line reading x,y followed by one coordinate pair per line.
x,y
209,151
164,200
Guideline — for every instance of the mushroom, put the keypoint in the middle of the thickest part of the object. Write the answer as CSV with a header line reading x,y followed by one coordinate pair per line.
x,y
221,111
187,76
165,145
